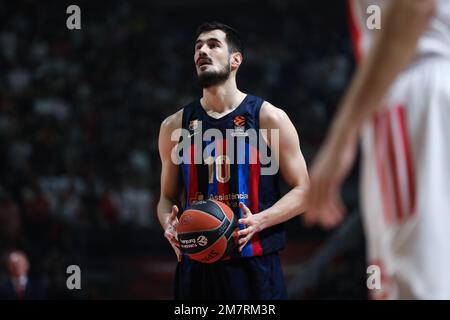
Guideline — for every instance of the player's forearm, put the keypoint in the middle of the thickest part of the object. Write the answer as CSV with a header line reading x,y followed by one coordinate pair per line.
x,y
290,205
164,209
395,45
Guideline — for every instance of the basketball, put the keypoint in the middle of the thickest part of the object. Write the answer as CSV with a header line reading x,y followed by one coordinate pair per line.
x,y
206,231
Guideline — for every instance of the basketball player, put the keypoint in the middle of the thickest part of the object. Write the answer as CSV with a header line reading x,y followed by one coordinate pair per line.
x,y
399,102
255,272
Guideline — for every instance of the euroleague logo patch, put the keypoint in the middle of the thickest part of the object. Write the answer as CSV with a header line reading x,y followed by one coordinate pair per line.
x,y
239,121
202,241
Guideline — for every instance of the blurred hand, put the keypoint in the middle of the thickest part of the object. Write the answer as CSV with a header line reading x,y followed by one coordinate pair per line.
x,y
253,224
332,164
171,232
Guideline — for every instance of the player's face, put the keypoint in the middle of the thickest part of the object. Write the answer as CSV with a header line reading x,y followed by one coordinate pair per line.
x,y
211,54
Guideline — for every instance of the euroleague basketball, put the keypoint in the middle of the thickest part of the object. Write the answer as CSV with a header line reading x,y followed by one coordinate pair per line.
x,y
206,231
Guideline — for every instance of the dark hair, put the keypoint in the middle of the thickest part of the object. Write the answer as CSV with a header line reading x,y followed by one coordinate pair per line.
x,y
233,37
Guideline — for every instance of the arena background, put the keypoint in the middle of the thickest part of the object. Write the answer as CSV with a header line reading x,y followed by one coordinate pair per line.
x,y
79,118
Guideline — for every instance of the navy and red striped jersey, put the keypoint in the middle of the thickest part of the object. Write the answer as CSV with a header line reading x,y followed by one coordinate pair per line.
x,y
229,169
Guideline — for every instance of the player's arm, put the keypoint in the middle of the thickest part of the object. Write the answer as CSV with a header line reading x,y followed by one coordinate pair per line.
x,y
292,167
170,187
403,23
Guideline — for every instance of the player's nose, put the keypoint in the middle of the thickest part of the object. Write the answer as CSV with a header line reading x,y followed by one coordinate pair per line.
x,y
203,50
201,55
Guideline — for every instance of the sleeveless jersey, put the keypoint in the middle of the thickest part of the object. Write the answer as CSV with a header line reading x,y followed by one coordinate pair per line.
x,y
229,166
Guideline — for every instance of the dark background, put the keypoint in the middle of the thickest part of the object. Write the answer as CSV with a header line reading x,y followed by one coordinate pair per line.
x,y
80,112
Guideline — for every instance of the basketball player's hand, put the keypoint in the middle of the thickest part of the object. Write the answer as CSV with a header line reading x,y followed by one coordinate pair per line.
x,y
332,164
171,232
253,224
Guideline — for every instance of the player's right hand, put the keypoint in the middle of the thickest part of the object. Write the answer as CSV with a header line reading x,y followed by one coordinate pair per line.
x,y
171,232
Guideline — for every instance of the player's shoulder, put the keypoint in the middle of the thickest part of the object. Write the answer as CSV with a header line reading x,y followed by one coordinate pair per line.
x,y
174,121
170,129
271,116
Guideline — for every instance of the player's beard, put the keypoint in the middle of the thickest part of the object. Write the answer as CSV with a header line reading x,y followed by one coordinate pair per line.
x,y
212,78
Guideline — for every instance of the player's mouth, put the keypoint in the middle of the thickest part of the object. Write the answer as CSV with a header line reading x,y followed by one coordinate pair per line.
x,y
203,62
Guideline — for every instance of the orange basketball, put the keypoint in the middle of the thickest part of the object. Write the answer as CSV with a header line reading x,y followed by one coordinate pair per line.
x,y
206,231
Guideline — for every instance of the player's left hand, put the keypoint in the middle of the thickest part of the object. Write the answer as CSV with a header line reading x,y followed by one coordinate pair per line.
x,y
253,224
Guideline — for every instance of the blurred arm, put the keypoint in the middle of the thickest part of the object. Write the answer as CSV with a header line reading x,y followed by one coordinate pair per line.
x,y
394,47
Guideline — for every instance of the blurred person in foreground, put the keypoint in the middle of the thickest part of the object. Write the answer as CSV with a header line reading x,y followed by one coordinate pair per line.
x,y
399,104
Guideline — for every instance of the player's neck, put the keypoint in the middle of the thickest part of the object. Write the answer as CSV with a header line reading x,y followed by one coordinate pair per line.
x,y
222,98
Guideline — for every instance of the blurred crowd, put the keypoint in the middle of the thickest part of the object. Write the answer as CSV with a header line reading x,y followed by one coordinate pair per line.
x,y
80,111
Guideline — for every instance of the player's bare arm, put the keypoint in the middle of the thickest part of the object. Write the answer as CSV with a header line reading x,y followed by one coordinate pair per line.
x,y
170,188
293,170
392,51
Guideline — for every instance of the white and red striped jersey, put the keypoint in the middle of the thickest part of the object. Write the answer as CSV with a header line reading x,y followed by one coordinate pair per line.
x,y
405,177
435,41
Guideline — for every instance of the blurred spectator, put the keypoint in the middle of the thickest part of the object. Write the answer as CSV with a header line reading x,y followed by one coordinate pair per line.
x,y
18,285
136,204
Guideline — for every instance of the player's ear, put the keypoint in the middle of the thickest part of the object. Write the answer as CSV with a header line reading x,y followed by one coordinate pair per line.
x,y
236,60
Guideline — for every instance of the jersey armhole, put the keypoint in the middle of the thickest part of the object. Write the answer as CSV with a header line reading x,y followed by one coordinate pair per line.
x,y
258,104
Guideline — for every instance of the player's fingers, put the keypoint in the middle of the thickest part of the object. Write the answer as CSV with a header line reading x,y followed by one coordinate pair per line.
x,y
169,235
170,230
328,222
320,213
308,218
175,245
243,232
175,242
174,213
177,252
244,221
338,210
330,217
317,205
242,243
248,236
246,211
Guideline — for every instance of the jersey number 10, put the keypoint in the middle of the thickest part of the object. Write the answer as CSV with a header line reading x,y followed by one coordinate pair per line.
x,y
222,168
